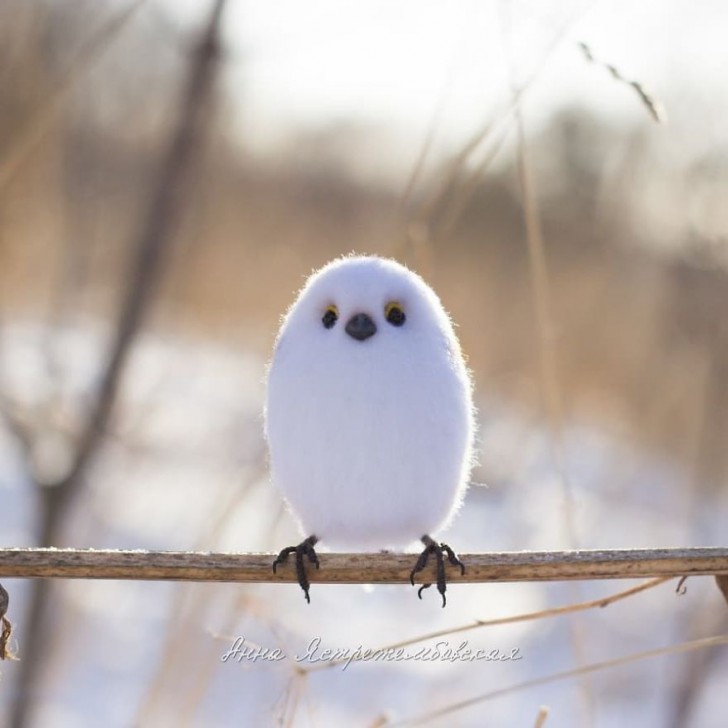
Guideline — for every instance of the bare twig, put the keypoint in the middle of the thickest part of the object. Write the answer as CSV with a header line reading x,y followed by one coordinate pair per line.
x,y
653,106
693,675
193,601
543,714
552,391
454,182
6,628
565,675
550,381
527,617
358,568
156,231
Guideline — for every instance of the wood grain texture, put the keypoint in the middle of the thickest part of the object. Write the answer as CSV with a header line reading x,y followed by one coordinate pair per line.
x,y
381,568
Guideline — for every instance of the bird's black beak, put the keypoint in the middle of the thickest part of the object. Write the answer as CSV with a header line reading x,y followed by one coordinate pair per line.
x,y
361,327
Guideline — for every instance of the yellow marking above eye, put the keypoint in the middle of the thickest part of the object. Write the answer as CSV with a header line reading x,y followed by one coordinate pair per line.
x,y
391,307
394,313
330,317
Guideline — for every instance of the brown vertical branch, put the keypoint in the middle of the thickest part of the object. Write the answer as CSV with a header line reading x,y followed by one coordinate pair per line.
x,y
156,232
155,235
546,328
6,629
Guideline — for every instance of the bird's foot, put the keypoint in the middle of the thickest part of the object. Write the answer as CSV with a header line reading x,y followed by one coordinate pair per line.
x,y
439,551
305,548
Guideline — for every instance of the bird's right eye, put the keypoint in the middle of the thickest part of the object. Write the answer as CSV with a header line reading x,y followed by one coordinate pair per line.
x,y
330,316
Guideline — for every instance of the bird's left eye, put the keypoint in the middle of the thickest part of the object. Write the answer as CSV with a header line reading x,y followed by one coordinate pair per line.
x,y
330,316
394,313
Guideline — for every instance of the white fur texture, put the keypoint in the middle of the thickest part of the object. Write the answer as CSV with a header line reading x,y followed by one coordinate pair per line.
x,y
370,441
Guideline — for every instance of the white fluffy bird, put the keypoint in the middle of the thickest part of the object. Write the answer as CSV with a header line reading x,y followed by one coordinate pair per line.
x,y
369,414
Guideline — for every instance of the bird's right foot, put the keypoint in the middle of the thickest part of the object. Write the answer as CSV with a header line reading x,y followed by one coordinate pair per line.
x,y
305,548
439,551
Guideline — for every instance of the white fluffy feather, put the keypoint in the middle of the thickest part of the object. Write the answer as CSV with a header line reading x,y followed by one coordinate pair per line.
x,y
370,441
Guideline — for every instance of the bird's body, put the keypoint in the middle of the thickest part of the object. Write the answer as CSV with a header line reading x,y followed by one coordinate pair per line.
x,y
369,414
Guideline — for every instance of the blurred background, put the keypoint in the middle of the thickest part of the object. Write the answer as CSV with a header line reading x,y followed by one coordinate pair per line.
x,y
170,173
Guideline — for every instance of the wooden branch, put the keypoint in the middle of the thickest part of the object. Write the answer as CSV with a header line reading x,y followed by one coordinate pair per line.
x,y
382,568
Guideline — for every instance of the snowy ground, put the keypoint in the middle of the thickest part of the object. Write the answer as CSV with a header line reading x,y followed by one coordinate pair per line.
x,y
185,469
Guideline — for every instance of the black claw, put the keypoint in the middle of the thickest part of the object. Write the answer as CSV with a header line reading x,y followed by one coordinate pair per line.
x,y
312,555
306,547
282,556
432,547
452,558
421,562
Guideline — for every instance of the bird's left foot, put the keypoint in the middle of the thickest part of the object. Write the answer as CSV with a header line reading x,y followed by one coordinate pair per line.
x,y
305,548
439,550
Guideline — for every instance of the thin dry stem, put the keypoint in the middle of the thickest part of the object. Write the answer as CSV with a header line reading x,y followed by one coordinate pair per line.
x,y
543,308
565,675
655,109
495,131
191,602
551,388
543,714
527,617
6,628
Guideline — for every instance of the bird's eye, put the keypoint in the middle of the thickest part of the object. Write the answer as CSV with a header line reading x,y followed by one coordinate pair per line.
x,y
394,314
330,316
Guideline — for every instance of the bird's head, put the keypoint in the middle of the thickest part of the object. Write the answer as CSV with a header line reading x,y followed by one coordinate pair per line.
x,y
362,301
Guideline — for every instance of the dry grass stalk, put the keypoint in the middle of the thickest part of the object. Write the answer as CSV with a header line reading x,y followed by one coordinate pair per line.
x,y
527,617
653,106
565,675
